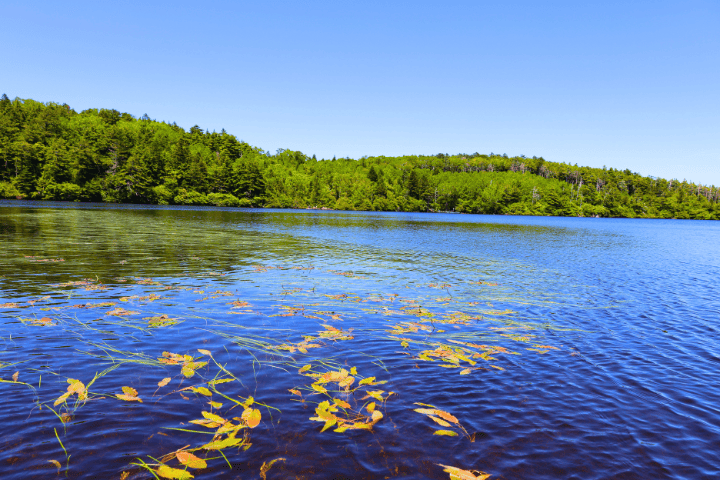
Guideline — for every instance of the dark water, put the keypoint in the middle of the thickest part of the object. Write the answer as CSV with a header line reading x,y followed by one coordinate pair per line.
x,y
605,332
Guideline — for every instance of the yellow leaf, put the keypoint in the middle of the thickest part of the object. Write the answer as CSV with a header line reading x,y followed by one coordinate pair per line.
x,y
371,407
341,403
346,382
129,398
173,473
448,433
376,394
15,376
219,445
205,352
367,381
203,391
190,460
187,371
465,371
319,388
249,401
164,382
222,380
251,417
305,368
76,387
459,474
499,368
329,423
295,391
213,418
353,371
129,391
215,404
61,399
439,421
124,475
56,463
376,416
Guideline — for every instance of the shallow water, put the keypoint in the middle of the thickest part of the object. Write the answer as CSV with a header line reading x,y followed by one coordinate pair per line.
x,y
605,332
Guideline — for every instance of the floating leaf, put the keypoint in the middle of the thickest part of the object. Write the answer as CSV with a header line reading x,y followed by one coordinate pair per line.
x,y
214,418
76,386
164,382
129,391
203,391
341,403
376,416
205,352
251,417
466,371
446,416
499,368
187,371
459,474
215,404
61,399
367,381
219,381
190,460
124,475
56,463
173,473
370,407
15,376
319,388
295,391
305,368
439,421
129,398
219,445
448,433
329,423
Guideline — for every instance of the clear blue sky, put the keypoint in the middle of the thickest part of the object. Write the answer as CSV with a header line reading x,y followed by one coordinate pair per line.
x,y
627,84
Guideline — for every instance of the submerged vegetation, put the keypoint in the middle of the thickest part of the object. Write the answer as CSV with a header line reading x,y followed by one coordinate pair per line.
x,y
51,152
224,406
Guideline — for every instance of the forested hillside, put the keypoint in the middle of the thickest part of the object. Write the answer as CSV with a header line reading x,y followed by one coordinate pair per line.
x,y
51,152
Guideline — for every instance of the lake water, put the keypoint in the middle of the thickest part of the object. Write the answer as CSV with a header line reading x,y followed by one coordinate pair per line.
x,y
549,347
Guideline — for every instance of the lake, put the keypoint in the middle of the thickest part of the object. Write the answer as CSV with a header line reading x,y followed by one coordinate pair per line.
x,y
140,341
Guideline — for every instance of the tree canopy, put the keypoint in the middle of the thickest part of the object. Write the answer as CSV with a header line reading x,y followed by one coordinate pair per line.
x,y
51,152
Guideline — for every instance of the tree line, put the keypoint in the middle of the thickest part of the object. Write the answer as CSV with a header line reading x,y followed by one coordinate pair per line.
x,y
49,151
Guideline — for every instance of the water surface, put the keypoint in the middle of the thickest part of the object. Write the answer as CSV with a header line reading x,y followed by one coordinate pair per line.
x,y
564,347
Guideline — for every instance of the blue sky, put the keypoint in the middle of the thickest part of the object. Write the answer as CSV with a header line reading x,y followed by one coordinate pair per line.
x,y
630,84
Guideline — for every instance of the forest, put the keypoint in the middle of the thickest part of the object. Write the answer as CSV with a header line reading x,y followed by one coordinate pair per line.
x,y
49,151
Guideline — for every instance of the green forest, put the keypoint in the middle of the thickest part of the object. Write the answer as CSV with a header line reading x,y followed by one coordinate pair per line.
x,y
49,151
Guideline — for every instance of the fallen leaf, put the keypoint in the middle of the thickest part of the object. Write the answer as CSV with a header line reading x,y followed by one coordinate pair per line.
x,y
439,421
190,460
173,473
295,391
459,474
129,391
15,376
448,433
56,463
164,382
251,417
